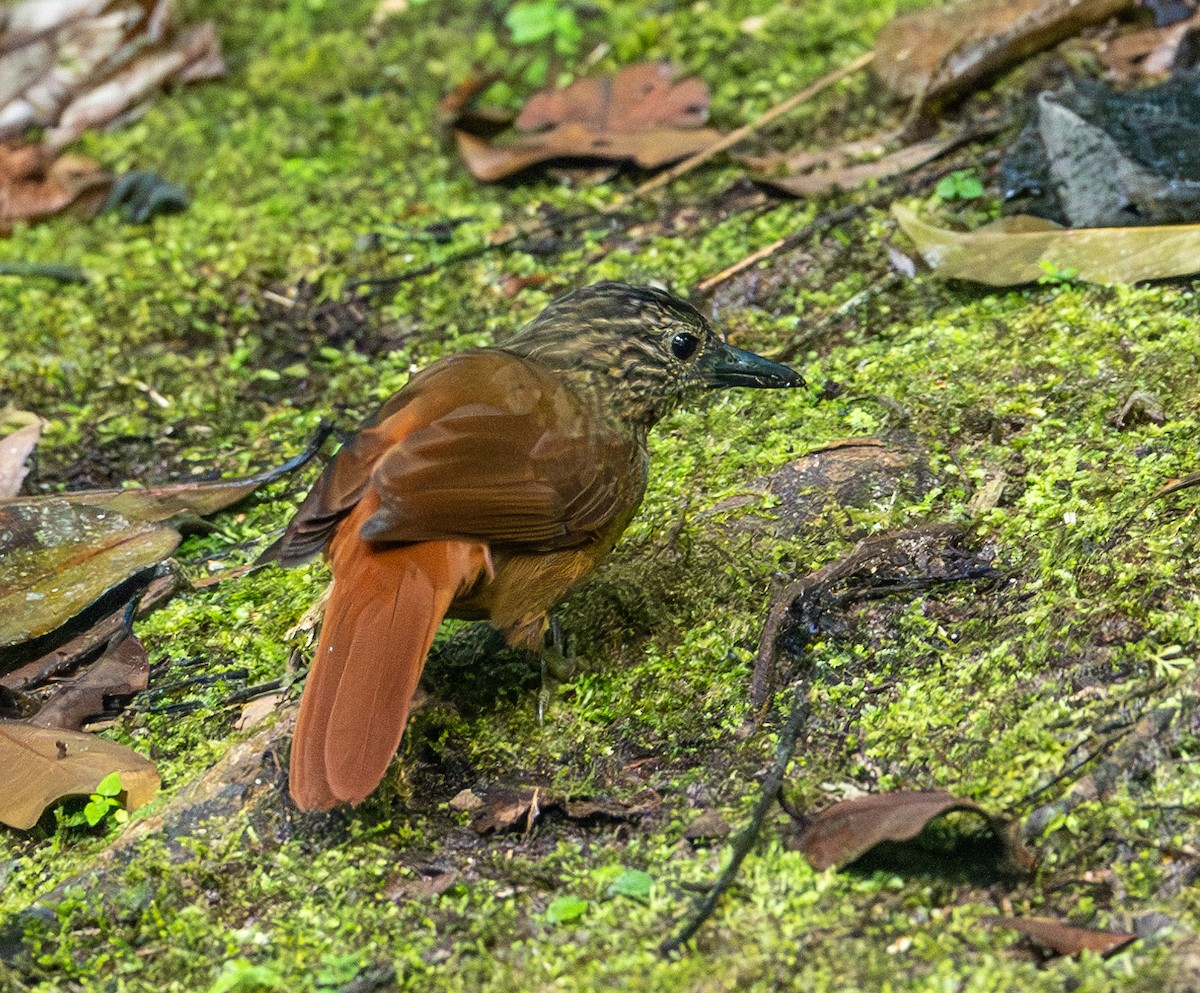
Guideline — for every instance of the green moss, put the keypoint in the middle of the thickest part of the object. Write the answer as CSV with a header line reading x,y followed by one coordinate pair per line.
x,y
318,163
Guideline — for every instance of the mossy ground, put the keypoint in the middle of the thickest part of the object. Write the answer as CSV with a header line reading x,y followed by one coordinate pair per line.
x,y
325,132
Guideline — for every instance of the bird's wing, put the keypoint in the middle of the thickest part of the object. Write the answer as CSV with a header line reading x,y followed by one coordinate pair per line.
x,y
520,460
483,445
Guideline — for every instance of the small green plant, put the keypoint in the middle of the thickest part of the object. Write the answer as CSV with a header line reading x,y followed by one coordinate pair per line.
x,y
960,185
633,883
104,804
538,22
1056,275
565,909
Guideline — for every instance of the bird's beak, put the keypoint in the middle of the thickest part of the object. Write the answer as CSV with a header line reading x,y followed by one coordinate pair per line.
x,y
729,366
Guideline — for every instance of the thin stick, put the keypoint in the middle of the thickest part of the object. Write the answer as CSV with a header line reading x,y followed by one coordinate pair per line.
x,y
731,139
746,838
730,271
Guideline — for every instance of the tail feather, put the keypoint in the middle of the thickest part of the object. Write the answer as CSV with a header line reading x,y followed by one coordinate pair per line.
x,y
383,612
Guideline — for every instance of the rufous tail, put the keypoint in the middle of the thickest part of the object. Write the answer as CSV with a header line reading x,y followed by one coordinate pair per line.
x,y
383,611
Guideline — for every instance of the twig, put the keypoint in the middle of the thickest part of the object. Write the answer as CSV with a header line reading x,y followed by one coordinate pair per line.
x,y
731,139
730,271
745,840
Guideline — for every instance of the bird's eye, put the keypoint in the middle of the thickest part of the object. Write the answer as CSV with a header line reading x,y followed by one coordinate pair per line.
x,y
684,345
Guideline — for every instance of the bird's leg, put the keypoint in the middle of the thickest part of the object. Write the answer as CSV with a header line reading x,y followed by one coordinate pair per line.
x,y
558,664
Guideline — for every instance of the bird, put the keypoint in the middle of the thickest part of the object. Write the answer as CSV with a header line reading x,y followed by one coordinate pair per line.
x,y
487,488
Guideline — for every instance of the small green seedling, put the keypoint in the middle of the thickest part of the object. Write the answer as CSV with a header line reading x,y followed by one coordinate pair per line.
x,y
565,909
633,883
103,804
960,185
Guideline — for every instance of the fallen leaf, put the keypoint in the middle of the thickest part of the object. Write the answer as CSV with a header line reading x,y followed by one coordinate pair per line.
x,y
945,50
15,448
1094,157
466,800
87,646
121,671
641,114
185,500
58,558
45,764
1065,939
257,711
1023,249
849,472
61,556
844,832
844,168
1149,54
432,880
504,809
35,183
193,55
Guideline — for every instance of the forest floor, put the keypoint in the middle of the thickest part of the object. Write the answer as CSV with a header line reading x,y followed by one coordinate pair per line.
x,y
318,162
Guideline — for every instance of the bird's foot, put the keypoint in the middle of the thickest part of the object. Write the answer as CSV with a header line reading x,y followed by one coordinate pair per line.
x,y
558,665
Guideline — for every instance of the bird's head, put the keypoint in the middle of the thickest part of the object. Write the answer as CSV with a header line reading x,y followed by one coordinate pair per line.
x,y
641,350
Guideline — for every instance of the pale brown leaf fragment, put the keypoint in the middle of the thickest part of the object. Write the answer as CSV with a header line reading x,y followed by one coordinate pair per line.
x,y
945,50
1065,939
42,765
15,448
1022,249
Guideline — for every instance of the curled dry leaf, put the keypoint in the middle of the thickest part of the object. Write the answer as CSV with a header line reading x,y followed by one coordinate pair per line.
x,y
42,765
1065,939
504,809
641,114
847,830
1024,249
35,184
945,50
120,672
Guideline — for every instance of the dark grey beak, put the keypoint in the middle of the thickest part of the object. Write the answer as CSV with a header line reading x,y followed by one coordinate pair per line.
x,y
729,366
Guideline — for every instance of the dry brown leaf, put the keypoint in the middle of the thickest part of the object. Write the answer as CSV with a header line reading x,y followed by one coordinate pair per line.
x,y
34,184
121,671
1065,939
15,448
842,168
847,830
1021,249
946,50
42,765
640,114
1148,54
